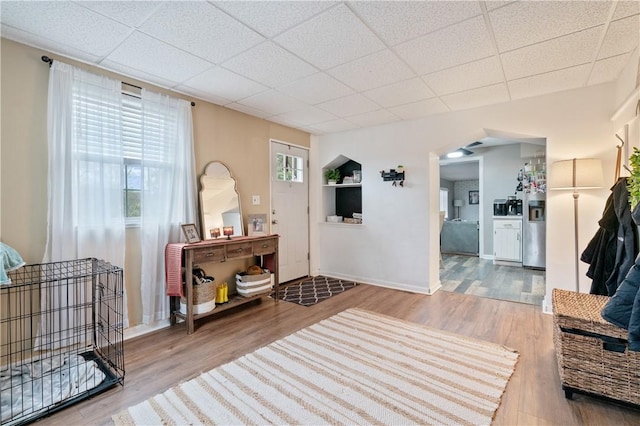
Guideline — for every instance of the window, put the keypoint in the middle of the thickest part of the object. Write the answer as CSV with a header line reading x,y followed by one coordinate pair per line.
x,y
444,202
289,168
132,188
132,145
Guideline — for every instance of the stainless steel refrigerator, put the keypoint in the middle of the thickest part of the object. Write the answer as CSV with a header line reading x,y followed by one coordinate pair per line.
x,y
534,230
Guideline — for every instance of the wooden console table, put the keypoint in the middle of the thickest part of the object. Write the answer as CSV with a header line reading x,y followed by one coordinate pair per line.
x,y
223,250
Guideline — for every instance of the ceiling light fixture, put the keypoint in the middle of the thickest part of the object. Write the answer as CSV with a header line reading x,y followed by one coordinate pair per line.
x,y
459,153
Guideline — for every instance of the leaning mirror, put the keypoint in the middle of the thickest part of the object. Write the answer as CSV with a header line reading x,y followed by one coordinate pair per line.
x,y
219,202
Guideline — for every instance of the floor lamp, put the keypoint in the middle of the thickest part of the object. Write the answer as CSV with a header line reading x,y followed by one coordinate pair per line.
x,y
578,173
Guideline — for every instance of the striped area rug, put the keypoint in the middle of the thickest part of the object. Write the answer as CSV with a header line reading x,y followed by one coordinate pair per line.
x,y
357,367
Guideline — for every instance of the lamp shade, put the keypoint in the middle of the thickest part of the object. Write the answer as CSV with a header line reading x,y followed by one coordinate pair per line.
x,y
578,173
457,203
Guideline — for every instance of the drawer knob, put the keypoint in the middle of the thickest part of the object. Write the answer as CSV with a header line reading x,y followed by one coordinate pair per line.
x,y
240,250
265,245
209,254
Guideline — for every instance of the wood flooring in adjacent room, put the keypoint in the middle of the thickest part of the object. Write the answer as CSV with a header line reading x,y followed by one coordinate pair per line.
x,y
480,277
168,357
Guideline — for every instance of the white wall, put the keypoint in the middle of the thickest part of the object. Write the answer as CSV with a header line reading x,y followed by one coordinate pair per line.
x,y
391,248
393,243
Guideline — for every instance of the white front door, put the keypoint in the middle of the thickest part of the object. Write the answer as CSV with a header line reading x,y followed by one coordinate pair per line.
x,y
290,208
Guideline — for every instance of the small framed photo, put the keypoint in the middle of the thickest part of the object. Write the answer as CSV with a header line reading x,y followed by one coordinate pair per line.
x,y
191,232
257,225
474,197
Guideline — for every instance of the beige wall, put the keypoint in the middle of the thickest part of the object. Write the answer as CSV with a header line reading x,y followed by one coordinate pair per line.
x,y
239,140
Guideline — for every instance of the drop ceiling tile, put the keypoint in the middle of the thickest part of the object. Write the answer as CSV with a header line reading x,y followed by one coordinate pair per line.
x,y
374,118
378,69
622,37
316,88
247,110
626,8
562,52
132,13
270,18
202,29
419,109
42,43
307,115
331,38
477,97
524,23
137,74
403,92
284,121
609,69
556,81
454,45
333,126
141,52
397,22
50,20
226,84
272,102
349,105
484,72
269,64
495,4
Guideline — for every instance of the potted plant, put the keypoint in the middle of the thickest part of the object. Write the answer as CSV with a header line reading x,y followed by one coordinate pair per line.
x,y
633,184
332,175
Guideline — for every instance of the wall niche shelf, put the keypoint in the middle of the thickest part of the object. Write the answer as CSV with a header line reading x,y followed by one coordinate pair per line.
x,y
343,199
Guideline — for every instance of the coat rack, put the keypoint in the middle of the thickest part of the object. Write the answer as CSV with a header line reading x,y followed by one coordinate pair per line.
x,y
394,175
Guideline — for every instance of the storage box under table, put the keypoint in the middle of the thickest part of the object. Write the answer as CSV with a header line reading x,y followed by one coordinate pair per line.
x,y
593,354
251,285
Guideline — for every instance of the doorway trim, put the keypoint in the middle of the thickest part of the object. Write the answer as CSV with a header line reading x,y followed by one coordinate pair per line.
x,y
480,162
308,187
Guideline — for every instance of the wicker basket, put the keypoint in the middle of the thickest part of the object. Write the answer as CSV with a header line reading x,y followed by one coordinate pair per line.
x,y
202,293
593,354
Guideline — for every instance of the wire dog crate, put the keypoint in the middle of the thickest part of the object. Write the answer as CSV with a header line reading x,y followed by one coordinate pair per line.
x,y
61,336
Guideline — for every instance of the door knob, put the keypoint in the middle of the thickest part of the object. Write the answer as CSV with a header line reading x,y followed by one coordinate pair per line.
x,y
274,222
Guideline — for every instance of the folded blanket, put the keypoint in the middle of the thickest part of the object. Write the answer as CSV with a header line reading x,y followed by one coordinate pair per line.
x,y
173,268
9,260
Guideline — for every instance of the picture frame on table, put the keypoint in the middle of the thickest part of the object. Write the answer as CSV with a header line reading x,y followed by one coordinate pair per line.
x,y
257,225
191,233
474,197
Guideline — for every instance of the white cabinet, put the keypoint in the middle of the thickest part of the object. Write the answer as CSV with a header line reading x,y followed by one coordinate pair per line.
x,y
507,240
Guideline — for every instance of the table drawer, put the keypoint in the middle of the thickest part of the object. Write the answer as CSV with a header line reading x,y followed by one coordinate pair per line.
x,y
264,247
239,250
210,254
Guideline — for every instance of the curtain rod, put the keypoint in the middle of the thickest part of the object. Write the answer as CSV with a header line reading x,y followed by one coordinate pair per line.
x,y
48,60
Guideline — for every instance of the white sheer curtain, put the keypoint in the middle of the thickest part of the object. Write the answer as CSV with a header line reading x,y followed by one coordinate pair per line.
x,y
169,194
85,213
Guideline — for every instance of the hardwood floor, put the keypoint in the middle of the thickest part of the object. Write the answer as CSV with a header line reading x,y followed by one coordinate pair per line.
x,y
165,358
480,277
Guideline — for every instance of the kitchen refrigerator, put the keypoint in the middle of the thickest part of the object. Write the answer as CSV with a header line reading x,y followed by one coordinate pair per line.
x,y
534,230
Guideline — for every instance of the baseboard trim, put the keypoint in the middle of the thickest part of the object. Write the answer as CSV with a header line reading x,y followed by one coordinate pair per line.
x,y
142,329
386,284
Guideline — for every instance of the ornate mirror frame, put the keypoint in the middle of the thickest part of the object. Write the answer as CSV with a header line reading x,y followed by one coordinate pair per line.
x,y
219,201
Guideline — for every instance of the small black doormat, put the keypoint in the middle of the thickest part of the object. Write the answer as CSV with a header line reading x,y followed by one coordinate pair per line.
x,y
314,290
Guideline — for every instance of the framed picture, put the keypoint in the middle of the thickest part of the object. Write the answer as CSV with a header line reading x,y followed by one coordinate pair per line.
x,y
257,225
191,232
474,197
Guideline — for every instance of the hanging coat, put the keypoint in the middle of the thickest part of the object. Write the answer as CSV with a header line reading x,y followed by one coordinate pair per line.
x,y
612,251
